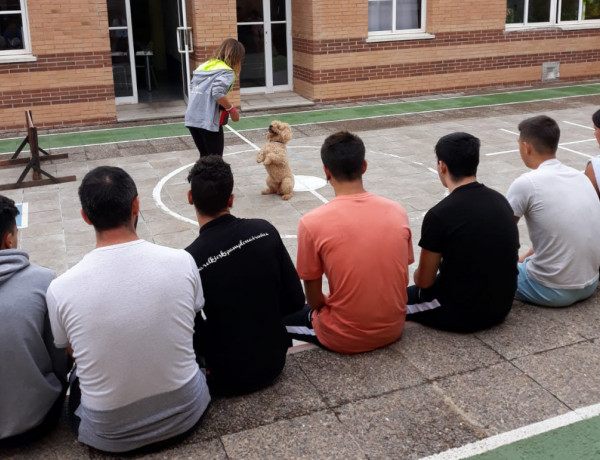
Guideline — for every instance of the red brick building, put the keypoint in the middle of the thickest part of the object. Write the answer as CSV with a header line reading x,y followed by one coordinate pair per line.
x,y
73,61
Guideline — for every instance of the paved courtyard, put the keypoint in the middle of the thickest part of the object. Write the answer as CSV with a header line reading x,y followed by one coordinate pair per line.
x,y
430,391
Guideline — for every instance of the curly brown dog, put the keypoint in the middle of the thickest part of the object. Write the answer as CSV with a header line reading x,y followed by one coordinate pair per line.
x,y
273,155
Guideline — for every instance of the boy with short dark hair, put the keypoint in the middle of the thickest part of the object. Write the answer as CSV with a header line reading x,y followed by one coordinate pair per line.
x,y
249,283
127,312
467,274
362,243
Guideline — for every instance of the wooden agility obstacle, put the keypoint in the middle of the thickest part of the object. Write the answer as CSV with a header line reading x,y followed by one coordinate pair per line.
x,y
33,163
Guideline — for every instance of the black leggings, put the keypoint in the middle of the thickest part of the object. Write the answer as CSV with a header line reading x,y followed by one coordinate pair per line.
x,y
208,142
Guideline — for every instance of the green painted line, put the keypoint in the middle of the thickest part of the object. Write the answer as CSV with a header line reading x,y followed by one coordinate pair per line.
x,y
579,441
107,136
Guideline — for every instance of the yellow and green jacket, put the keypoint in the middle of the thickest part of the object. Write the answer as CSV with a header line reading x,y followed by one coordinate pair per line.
x,y
211,81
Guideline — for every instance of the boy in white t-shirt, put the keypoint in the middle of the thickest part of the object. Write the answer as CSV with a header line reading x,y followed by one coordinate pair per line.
x,y
127,311
562,212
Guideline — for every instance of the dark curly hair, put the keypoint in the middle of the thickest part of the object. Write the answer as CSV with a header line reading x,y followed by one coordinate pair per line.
x,y
211,182
8,214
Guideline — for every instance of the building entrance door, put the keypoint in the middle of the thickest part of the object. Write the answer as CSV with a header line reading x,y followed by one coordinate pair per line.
x,y
264,28
151,42
122,51
185,44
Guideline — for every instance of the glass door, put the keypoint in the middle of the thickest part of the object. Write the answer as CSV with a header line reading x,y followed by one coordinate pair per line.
x,y
185,45
265,30
121,51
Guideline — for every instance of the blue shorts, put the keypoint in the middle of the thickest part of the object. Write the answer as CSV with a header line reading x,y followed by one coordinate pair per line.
x,y
531,291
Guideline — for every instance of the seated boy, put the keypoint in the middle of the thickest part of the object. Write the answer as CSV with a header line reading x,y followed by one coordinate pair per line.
x,y
362,243
467,273
249,284
33,371
562,211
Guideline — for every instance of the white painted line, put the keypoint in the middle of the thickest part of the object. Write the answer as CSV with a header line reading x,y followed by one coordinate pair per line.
x,y
509,132
251,144
24,215
159,203
560,146
504,439
241,151
579,142
432,170
158,200
577,124
319,196
501,153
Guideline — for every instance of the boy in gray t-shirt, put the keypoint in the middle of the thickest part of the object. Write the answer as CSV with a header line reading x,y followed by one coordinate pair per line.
x,y
562,212
127,311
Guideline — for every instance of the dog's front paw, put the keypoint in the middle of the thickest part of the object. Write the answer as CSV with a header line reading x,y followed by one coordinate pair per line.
x,y
286,196
266,191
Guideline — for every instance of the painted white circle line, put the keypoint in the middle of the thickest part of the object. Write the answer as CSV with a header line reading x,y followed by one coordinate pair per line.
x,y
158,200
308,182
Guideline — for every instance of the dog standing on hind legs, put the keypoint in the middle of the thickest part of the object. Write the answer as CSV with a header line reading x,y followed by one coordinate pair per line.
x,y
273,155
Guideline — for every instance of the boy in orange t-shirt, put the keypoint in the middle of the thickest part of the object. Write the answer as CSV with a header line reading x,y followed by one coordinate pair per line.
x,y
362,243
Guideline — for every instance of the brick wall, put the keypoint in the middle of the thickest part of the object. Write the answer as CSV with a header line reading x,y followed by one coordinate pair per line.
x,y
71,81
471,49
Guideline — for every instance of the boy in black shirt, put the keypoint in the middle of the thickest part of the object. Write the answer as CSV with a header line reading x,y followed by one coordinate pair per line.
x,y
249,284
467,273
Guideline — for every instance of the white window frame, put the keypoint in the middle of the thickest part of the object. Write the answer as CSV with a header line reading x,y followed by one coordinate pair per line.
x,y
20,55
403,34
554,20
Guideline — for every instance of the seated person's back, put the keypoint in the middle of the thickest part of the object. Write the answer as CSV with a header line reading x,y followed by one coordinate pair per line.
x,y
127,310
362,243
33,370
562,213
249,283
467,273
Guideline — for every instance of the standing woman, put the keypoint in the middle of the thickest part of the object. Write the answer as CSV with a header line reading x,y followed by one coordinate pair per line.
x,y
592,169
208,106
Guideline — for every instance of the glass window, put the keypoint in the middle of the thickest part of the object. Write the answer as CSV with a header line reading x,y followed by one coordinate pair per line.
x,y
534,12
590,9
14,33
396,16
